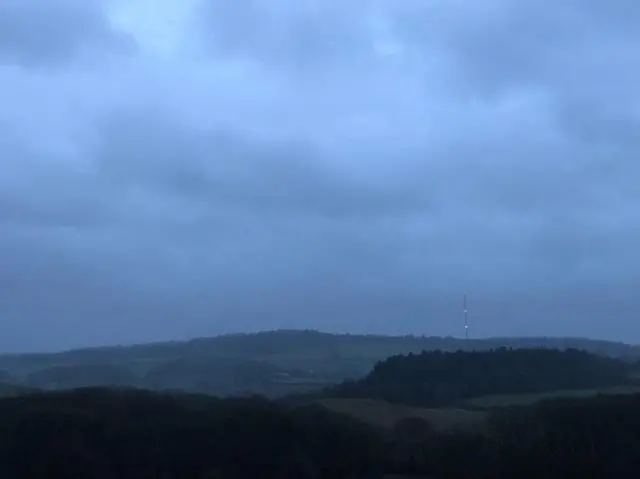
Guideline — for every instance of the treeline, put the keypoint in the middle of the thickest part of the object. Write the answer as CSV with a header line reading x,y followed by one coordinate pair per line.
x,y
435,378
108,434
100,433
597,437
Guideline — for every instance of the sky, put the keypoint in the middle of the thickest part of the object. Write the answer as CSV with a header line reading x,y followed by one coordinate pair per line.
x,y
173,169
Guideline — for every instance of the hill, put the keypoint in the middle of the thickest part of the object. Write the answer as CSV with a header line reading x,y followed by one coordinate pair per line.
x,y
273,363
436,379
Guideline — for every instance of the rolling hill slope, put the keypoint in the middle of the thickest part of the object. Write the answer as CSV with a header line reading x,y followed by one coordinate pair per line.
x,y
273,363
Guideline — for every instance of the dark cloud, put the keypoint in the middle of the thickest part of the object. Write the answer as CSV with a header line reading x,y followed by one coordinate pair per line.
x,y
503,44
238,171
45,33
344,167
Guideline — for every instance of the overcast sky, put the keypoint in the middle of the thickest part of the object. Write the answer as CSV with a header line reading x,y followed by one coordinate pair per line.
x,y
172,169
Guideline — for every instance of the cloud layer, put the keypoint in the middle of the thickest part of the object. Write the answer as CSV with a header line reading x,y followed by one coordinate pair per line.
x,y
173,169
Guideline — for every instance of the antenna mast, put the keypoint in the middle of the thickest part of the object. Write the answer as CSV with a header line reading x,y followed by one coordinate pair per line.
x,y
466,324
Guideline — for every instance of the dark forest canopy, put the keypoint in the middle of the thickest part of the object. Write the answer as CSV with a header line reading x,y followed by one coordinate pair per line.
x,y
100,433
106,433
435,378
121,434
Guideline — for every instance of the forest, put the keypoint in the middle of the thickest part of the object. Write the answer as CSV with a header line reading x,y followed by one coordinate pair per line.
x,y
436,378
99,433
129,432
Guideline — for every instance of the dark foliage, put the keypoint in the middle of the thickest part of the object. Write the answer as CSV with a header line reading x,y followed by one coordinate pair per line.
x,y
598,437
97,433
595,437
438,378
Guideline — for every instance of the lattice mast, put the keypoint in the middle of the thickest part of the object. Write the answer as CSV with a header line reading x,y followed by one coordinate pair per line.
x,y
466,312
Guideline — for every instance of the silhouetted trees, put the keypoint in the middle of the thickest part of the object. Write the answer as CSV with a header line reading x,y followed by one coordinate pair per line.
x,y
597,437
108,434
97,433
436,378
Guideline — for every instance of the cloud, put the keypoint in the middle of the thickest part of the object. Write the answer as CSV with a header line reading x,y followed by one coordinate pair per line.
x,y
286,33
288,177
43,33
355,167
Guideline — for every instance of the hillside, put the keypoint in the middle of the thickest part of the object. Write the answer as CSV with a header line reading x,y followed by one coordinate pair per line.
x,y
436,379
272,363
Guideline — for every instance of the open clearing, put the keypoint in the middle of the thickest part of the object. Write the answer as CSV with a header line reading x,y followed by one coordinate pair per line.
x,y
487,402
385,414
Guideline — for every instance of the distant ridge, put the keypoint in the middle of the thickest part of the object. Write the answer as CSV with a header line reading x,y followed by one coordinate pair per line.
x,y
272,363
610,348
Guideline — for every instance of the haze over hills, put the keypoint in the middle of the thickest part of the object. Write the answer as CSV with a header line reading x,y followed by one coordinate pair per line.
x,y
272,363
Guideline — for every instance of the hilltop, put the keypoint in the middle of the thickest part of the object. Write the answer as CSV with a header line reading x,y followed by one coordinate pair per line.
x,y
273,363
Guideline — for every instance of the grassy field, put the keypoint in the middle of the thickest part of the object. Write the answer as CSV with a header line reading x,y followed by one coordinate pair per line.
x,y
382,413
8,390
468,415
488,402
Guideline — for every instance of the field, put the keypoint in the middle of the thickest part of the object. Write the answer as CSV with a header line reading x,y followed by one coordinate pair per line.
x,y
382,413
469,415
488,402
